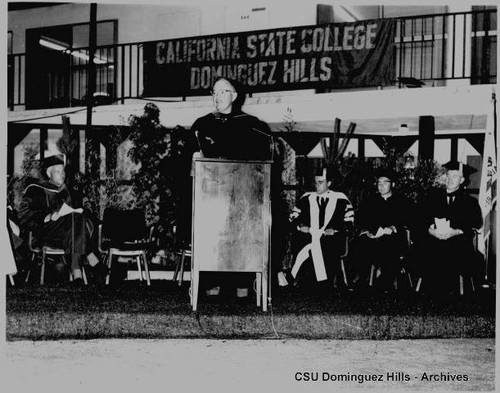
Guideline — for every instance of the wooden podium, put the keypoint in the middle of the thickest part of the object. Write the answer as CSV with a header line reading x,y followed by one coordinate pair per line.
x,y
231,221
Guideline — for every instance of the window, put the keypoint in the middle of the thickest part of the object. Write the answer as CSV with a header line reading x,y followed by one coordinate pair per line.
x,y
484,45
57,64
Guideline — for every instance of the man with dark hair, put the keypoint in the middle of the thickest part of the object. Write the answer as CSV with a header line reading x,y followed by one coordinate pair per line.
x,y
383,219
322,219
229,133
449,217
46,210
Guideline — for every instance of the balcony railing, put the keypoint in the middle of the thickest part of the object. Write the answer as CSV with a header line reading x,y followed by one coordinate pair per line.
x,y
429,49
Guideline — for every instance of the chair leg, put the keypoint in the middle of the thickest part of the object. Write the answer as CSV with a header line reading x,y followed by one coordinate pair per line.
x,y
33,257
146,268
461,281
110,259
344,274
372,275
138,260
472,284
42,270
409,279
258,290
177,267
183,256
84,276
419,282
11,280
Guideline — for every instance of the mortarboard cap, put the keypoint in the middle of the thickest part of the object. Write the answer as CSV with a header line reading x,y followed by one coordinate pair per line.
x,y
386,172
464,169
52,158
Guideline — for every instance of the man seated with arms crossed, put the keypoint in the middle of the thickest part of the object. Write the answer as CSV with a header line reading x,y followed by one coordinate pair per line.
x,y
47,210
383,219
323,219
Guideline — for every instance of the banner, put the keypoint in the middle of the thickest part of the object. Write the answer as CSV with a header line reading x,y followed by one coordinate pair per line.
x,y
320,56
488,187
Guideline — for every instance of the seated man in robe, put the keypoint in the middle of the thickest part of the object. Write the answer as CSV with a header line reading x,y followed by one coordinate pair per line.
x,y
47,209
323,219
449,217
382,219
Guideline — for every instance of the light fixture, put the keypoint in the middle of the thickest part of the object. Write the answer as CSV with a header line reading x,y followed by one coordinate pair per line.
x,y
62,47
52,44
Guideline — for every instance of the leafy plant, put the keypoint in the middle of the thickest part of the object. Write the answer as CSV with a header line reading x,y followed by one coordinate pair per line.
x,y
30,172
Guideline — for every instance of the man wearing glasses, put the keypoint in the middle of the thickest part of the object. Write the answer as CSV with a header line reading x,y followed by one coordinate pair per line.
x,y
227,132
383,219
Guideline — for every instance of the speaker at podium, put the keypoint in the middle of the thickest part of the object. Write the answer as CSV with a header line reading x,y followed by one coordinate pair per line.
x,y
231,222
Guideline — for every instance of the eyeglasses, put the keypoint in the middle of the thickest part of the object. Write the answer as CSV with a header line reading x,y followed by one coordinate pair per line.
x,y
222,93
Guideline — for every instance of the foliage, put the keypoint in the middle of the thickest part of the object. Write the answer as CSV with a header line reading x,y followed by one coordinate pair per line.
x,y
356,177
30,172
98,193
150,145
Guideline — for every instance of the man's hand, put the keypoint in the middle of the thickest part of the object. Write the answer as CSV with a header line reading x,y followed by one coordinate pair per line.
x,y
330,232
54,216
304,229
390,230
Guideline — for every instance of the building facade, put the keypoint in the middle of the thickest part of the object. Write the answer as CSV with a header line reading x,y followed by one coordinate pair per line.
x,y
442,63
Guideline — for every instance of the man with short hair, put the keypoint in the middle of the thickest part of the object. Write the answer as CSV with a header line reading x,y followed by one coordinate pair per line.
x,y
322,219
228,133
383,219
449,217
47,210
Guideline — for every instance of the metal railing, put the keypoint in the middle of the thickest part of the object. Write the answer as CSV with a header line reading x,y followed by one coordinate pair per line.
x,y
429,50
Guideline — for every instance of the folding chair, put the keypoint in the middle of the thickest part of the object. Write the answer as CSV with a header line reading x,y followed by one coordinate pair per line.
x,y
45,252
124,233
182,252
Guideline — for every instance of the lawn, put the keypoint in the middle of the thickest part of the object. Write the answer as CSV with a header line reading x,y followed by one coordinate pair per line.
x,y
163,311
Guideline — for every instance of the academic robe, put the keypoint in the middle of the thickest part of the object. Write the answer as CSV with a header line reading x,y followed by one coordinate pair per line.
x,y
71,232
236,136
443,260
315,248
384,251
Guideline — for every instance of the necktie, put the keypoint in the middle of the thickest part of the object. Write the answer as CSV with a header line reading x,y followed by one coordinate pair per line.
x,y
322,202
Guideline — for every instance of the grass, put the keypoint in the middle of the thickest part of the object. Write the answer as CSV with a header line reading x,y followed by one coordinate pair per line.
x,y
162,311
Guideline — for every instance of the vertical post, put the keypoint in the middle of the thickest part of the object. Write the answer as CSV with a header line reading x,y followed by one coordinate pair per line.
x,y
454,149
93,149
361,148
426,133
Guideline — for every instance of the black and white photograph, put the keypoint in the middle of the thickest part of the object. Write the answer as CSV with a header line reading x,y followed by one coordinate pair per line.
x,y
250,195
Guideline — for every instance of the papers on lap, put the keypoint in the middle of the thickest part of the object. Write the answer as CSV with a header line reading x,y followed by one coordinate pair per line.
x,y
66,209
442,224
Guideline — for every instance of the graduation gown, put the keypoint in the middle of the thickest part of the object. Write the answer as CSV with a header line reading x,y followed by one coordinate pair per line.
x,y
71,232
384,251
376,212
317,248
236,136
443,260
